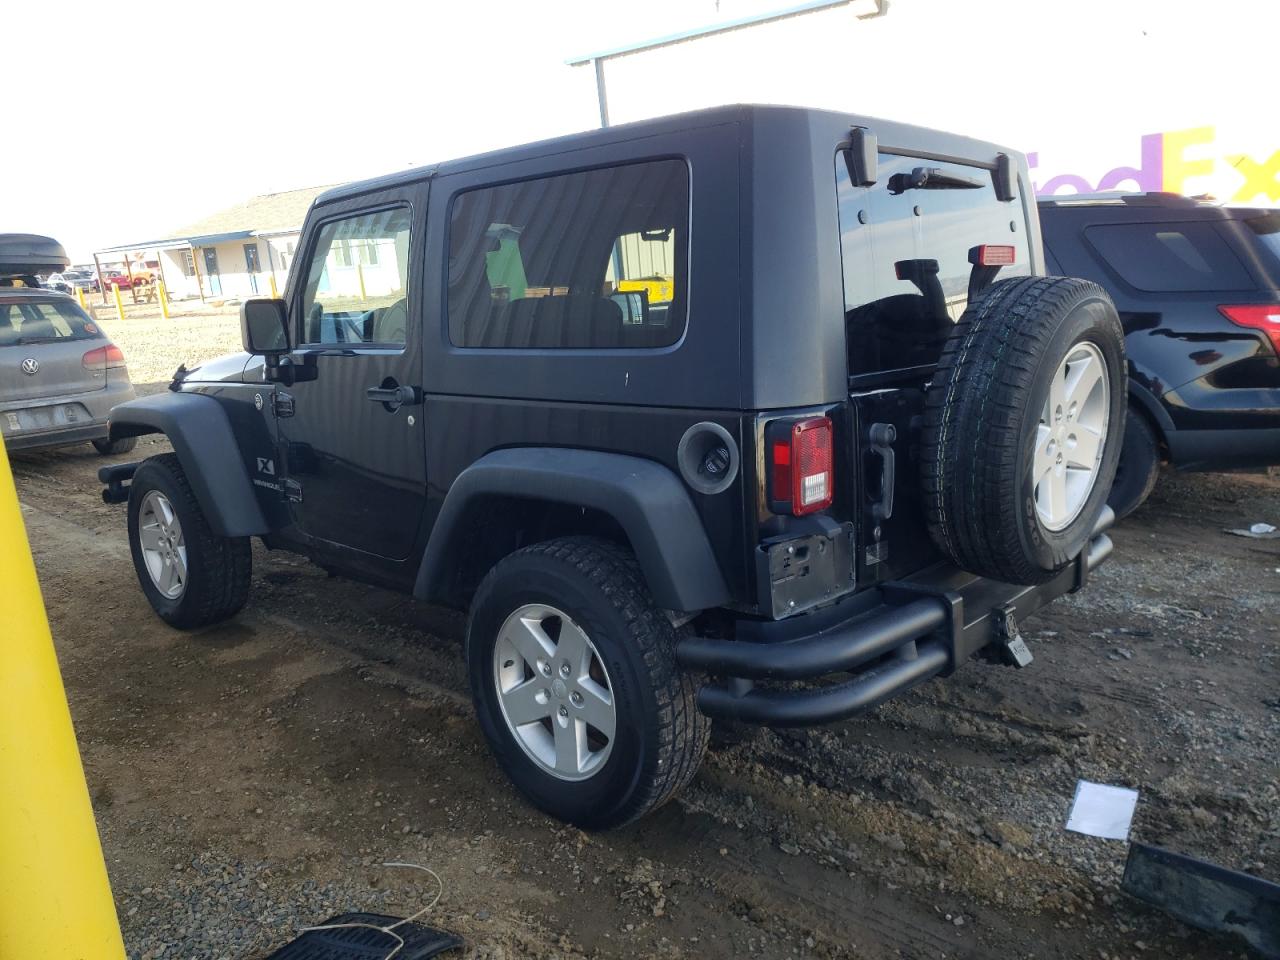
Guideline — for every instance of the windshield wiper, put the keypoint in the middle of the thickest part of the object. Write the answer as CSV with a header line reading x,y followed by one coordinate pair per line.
x,y
930,178
26,341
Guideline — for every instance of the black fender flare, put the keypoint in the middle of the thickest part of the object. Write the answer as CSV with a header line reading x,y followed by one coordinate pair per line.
x,y
201,435
647,500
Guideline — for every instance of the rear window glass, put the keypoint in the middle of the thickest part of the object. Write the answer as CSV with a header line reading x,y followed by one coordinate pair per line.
x,y
43,321
1169,257
905,251
591,260
1267,229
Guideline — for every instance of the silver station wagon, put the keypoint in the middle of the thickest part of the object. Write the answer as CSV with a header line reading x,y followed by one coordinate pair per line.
x,y
59,373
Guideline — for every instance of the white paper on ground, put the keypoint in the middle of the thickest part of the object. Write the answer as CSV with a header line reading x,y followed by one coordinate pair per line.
x,y
1101,810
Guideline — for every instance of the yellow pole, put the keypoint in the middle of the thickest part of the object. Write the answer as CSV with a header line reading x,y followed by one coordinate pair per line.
x,y
55,898
164,298
360,276
80,296
275,294
119,302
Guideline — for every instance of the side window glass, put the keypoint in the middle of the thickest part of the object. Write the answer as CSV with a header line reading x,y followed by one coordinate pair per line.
x,y
1166,257
356,280
577,261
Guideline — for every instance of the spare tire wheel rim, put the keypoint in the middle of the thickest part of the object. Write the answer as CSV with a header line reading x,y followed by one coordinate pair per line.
x,y
1071,436
164,550
554,692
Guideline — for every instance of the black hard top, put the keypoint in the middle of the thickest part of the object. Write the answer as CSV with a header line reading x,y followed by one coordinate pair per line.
x,y
892,135
767,301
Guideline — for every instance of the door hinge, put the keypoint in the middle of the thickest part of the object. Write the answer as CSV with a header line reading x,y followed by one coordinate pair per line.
x,y
282,404
293,491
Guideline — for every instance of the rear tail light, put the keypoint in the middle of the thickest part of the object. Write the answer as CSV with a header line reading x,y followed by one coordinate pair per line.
x,y
103,358
1257,316
801,465
993,255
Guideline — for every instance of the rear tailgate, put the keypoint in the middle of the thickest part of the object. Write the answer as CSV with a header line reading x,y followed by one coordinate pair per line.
x,y
43,347
906,245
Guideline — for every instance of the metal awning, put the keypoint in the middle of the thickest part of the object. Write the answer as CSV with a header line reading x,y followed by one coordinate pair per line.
x,y
210,239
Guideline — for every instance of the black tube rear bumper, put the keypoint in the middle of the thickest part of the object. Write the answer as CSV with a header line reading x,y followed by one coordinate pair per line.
x,y
889,639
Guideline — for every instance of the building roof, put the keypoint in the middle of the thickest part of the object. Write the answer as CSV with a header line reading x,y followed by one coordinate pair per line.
x,y
268,213
264,214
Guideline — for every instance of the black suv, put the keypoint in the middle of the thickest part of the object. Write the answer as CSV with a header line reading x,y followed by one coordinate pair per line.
x,y
691,414
1198,290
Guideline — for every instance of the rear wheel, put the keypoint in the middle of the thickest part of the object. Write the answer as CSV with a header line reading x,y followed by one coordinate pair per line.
x,y
576,685
191,576
1023,423
109,448
1139,467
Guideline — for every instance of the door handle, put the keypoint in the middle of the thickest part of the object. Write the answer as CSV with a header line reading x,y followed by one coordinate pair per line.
x,y
393,396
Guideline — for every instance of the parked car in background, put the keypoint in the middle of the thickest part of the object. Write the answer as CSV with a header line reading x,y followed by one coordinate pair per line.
x,y
70,280
143,274
56,281
1197,286
59,374
82,279
116,278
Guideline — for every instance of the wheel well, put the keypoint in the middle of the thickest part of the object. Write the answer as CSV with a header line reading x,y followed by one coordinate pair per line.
x,y
495,526
1139,408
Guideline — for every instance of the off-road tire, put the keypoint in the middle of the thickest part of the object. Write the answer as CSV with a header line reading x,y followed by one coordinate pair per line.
x,y
982,411
1139,467
109,448
661,737
218,568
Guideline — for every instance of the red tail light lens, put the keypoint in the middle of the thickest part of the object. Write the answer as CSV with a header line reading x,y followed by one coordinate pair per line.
x,y
1257,316
103,358
802,466
993,255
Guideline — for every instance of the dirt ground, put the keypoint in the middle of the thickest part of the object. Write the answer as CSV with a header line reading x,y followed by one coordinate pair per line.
x,y
250,778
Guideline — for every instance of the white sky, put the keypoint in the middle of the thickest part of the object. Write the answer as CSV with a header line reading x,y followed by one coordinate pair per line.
x,y
275,96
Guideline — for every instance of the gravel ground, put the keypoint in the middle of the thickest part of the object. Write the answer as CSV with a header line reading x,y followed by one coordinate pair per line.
x,y
249,778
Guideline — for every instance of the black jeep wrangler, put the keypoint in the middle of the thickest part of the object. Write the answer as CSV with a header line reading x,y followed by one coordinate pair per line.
x,y
718,416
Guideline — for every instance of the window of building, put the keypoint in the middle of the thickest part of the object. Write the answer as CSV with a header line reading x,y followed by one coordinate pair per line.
x,y
590,260
352,296
188,264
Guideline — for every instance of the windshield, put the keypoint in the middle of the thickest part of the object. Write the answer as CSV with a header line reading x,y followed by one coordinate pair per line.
x,y
1267,229
43,321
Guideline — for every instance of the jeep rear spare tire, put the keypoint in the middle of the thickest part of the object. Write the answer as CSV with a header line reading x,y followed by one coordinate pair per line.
x,y
1023,427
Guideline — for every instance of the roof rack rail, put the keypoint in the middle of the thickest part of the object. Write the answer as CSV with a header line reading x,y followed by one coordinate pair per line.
x,y
1151,198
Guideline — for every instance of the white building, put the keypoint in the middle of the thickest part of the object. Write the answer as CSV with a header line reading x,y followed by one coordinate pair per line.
x,y
240,252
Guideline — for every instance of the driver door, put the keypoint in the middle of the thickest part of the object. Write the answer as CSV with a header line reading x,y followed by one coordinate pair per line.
x,y
355,465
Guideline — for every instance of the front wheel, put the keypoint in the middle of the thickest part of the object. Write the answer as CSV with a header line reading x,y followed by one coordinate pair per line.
x,y
191,576
576,684
109,448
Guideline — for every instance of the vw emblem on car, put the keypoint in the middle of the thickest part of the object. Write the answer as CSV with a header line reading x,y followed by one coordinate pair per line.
x,y
30,366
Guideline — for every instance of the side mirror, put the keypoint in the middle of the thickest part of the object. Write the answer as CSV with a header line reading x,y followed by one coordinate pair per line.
x,y
264,326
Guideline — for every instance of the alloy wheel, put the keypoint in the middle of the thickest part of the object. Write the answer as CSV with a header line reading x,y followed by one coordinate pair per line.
x,y
554,692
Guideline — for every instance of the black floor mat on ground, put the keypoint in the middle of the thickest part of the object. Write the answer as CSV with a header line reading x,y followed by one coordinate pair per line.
x,y
361,943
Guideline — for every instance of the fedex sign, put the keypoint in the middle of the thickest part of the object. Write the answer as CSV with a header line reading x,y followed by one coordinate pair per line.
x,y
1164,165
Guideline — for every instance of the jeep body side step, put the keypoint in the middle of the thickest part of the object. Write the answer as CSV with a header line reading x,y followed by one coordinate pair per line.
x,y
919,629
